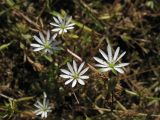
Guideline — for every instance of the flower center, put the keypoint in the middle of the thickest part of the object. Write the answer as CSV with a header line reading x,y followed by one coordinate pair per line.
x,y
63,26
75,76
47,46
45,109
111,65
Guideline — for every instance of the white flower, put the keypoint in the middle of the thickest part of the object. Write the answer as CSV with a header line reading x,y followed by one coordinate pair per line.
x,y
47,44
74,74
62,25
110,62
42,108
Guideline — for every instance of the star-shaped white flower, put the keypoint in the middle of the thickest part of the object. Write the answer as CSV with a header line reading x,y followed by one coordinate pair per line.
x,y
62,24
110,62
47,45
74,74
42,108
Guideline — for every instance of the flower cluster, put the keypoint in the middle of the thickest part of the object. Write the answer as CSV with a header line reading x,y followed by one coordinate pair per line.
x,y
110,62
49,44
62,25
42,108
74,74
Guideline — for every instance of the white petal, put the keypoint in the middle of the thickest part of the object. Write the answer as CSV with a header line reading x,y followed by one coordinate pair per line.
x,y
119,70
84,77
66,71
39,113
37,106
74,83
83,71
100,65
69,20
38,49
65,76
100,60
56,43
70,68
49,110
68,81
56,25
65,30
75,66
48,35
56,29
54,37
45,103
45,115
55,48
109,52
116,54
61,31
44,94
42,37
105,69
70,25
81,82
68,28
42,115
39,103
60,19
103,54
56,20
80,67
38,40
121,56
36,45
122,65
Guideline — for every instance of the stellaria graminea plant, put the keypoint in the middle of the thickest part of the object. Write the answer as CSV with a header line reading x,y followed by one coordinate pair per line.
x,y
74,74
42,108
62,24
111,62
47,45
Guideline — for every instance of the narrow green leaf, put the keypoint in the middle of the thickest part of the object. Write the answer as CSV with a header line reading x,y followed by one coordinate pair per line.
x,y
74,36
49,58
24,99
10,2
4,46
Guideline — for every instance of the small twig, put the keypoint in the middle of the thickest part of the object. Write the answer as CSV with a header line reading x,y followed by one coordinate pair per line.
x,y
75,97
73,54
7,97
129,76
128,112
135,94
89,65
80,59
38,27
121,106
87,7
20,14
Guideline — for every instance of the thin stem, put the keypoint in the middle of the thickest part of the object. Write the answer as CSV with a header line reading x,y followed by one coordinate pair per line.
x,y
112,94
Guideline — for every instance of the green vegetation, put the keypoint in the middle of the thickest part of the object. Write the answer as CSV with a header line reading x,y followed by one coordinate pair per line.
x,y
133,25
